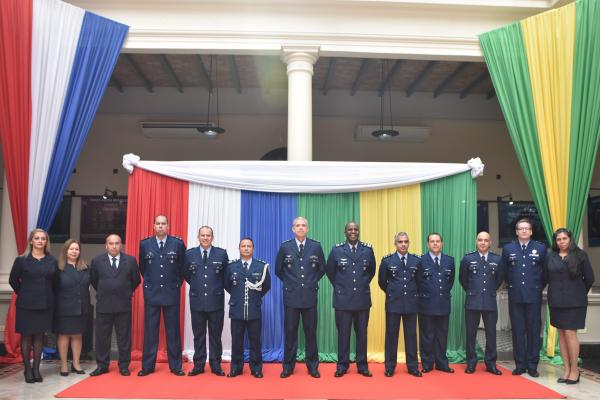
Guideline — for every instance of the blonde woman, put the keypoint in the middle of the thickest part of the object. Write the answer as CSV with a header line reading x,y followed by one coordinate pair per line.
x,y
72,288
31,278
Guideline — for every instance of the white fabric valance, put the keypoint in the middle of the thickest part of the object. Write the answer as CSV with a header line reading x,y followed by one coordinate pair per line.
x,y
303,176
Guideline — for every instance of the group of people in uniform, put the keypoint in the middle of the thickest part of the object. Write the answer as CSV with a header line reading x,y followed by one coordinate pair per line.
x,y
417,291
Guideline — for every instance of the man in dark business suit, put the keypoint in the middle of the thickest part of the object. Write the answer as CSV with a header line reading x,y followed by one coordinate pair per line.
x,y
350,268
300,264
161,264
204,271
435,279
114,275
398,279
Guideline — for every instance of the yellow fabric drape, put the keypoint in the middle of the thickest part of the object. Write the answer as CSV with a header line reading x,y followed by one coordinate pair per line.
x,y
549,42
383,213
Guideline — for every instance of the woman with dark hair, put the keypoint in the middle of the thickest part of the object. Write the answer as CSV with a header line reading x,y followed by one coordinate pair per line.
x,y
72,288
570,277
31,278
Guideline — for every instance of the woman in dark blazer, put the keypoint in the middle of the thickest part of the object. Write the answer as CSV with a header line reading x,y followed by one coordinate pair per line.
x,y
72,289
570,277
31,278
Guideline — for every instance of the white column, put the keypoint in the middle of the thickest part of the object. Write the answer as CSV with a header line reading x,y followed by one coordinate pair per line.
x,y
300,61
8,243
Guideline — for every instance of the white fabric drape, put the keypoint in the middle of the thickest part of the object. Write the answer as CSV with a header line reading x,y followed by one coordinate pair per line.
x,y
303,176
56,29
220,209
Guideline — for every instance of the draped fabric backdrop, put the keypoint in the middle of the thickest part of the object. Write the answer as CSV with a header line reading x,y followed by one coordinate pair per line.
x,y
546,73
55,63
447,205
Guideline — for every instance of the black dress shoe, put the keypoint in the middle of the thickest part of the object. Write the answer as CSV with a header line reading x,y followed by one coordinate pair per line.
x,y
533,373
144,372
233,374
339,373
415,372
285,374
177,372
562,380
219,372
470,370
573,381
196,371
315,373
124,372
493,370
518,371
446,369
29,376
98,371
426,370
257,374
77,371
389,374
366,373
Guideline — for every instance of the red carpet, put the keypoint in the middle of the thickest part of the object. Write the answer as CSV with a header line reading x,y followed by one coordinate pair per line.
x,y
434,385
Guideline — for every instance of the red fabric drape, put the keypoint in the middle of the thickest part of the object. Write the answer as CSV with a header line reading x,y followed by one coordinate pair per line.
x,y
150,194
15,130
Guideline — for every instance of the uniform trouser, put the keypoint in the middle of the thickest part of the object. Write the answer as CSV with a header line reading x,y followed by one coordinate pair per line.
x,y
392,328
238,329
214,320
490,318
151,330
526,322
291,319
433,339
104,326
343,322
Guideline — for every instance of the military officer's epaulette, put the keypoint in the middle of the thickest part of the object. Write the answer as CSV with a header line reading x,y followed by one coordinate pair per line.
x,y
233,261
262,261
149,237
366,244
389,255
286,241
314,240
178,238
340,244
492,253
473,252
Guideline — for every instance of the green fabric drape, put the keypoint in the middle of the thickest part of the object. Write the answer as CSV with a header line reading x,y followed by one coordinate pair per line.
x,y
585,111
505,56
327,214
449,207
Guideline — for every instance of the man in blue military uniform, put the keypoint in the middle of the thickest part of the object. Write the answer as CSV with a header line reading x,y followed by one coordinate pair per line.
x,y
523,260
350,268
247,280
204,271
435,279
398,279
300,264
481,276
161,264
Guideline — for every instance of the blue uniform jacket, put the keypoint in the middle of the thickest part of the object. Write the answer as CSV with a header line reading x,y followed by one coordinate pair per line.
x,y
481,280
300,276
162,272
206,281
524,271
235,279
399,283
350,275
435,285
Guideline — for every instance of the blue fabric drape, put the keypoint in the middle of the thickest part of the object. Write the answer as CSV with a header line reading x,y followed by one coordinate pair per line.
x,y
267,219
99,46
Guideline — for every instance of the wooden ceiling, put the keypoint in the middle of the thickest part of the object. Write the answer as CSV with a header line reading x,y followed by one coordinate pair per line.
x,y
182,71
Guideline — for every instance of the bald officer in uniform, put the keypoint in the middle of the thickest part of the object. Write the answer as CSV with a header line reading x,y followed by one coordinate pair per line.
x,y
161,264
523,260
350,268
398,279
300,264
481,276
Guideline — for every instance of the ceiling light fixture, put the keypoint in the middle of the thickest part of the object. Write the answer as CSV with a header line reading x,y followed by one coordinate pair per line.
x,y
388,132
209,129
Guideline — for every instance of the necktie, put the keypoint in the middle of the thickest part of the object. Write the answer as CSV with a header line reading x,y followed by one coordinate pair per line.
x,y
353,249
523,247
161,245
245,267
483,259
437,262
301,247
403,260
204,257
114,263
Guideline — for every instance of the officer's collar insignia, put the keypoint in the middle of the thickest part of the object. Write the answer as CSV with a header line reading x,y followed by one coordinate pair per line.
x,y
232,261
340,244
366,244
